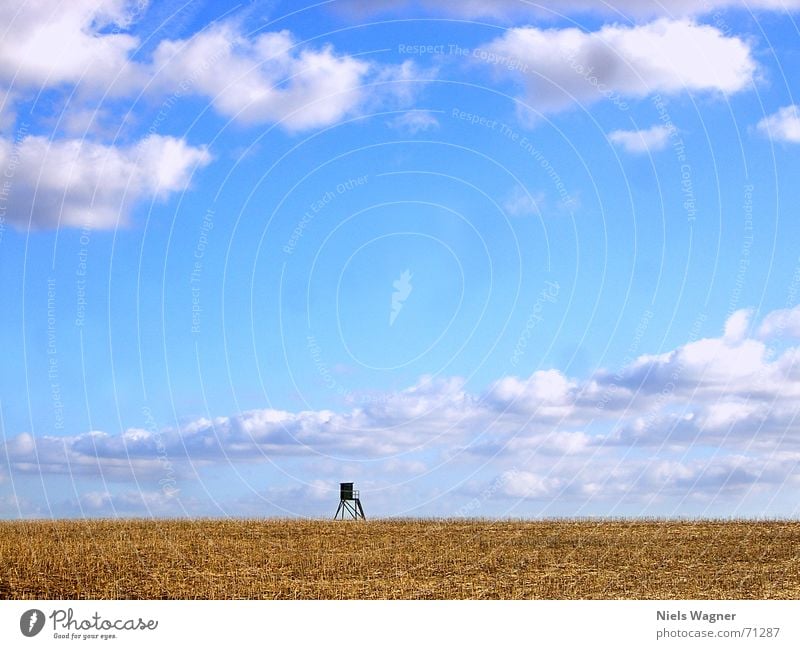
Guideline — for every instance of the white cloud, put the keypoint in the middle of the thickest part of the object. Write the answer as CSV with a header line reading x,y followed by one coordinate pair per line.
x,y
692,392
265,78
272,78
562,67
73,183
82,42
82,47
783,126
397,83
652,139
415,121
547,391
721,415
699,364
713,418
781,323
737,325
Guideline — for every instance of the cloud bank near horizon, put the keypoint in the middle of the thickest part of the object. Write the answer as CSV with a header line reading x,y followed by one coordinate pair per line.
x,y
613,437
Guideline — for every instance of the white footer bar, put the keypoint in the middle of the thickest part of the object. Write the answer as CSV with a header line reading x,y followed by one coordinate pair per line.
x,y
411,625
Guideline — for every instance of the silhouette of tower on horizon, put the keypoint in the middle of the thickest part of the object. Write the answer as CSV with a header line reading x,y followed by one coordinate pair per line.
x,y
349,503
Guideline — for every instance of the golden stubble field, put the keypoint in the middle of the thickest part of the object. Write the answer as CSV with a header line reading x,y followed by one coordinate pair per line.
x,y
409,559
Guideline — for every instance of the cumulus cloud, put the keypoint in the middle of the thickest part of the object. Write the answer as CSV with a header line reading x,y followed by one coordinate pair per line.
x,y
393,425
85,49
80,43
562,67
705,363
715,384
266,78
737,325
781,323
549,392
76,183
272,78
647,140
713,418
782,126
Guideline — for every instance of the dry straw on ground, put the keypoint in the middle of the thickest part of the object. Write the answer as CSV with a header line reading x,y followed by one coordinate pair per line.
x,y
410,559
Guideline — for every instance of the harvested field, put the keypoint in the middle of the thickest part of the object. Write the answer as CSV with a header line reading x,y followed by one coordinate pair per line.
x,y
408,559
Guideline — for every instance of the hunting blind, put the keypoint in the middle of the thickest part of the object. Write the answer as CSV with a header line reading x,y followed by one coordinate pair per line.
x,y
349,503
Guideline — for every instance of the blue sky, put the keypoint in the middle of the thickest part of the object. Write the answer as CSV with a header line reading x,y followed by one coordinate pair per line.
x,y
483,260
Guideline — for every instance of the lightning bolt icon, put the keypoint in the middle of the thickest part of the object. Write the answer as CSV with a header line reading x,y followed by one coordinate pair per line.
x,y
32,621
